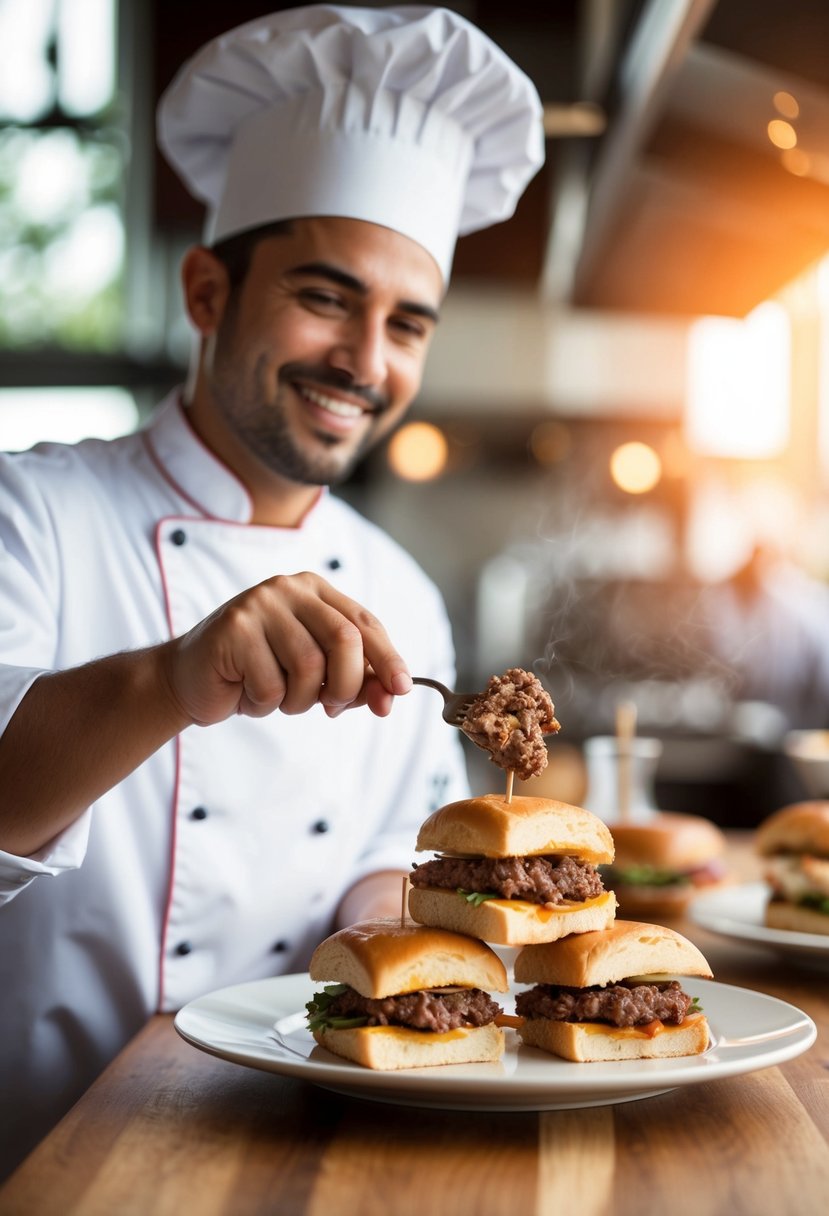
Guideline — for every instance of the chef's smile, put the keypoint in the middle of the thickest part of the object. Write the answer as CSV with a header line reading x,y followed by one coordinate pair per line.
x,y
337,414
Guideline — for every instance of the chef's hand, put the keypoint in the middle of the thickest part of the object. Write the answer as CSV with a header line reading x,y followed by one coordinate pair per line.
x,y
379,894
286,644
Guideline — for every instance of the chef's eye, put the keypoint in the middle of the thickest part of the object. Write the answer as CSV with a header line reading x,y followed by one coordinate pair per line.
x,y
322,301
408,327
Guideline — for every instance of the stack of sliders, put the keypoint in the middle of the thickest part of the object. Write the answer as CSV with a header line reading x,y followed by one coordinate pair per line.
x,y
513,872
611,995
663,862
794,842
404,996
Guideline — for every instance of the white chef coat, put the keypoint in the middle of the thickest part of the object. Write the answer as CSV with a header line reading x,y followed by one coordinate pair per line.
x,y
224,855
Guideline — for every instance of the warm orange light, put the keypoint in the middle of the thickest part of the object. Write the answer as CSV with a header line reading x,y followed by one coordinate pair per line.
x,y
418,452
635,467
738,384
782,134
786,104
796,161
675,457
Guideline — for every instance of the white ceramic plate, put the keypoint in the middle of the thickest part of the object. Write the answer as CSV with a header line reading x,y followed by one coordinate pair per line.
x,y
737,912
262,1024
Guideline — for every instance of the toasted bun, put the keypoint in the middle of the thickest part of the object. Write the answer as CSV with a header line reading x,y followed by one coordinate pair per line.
x,y
670,841
802,827
625,949
384,958
585,1041
636,899
490,826
392,1047
509,922
783,915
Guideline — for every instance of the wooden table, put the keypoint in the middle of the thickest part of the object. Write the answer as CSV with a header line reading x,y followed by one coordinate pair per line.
x,y
168,1129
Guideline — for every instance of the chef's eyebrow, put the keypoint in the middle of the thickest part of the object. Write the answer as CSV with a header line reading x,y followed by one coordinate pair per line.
x,y
350,282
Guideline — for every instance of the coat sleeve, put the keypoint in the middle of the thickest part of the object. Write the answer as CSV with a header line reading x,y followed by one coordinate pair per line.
x,y
29,606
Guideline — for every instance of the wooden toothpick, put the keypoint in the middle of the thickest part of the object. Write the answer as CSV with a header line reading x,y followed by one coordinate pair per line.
x,y
510,779
404,907
625,732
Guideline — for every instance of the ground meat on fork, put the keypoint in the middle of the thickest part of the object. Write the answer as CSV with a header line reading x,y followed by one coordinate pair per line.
x,y
509,720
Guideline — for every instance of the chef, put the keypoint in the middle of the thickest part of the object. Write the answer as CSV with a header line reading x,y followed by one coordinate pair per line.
x,y
200,645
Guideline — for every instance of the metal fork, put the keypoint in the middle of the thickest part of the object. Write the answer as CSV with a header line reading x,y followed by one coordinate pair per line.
x,y
455,704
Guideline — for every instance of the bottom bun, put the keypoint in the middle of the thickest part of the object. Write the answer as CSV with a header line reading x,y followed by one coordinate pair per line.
x,y
587,1041
669,900
783,915
391,1047
509,922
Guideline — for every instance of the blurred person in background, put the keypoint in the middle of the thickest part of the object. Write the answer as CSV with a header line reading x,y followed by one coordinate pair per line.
x,y
199,574
769,623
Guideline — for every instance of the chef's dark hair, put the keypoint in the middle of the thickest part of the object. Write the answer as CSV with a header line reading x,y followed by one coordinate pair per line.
x,y
235,252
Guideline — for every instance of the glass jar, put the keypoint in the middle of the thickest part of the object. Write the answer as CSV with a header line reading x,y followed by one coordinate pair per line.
x,y
620,778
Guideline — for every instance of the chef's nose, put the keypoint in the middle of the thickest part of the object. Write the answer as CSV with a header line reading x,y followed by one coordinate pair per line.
x,y
361,351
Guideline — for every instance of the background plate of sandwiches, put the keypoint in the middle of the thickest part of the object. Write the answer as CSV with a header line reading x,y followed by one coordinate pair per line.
x,y
789,910
263,1024
740,913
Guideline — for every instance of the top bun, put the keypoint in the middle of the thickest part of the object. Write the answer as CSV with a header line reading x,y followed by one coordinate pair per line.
x,y
802,827
670,841
605,956
489,826
384,958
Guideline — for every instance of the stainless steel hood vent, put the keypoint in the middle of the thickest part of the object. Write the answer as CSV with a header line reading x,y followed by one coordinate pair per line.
x,y
685,205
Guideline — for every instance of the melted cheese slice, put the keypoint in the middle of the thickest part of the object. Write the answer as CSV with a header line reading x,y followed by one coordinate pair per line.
x,y
443,1036
649,1031
541,911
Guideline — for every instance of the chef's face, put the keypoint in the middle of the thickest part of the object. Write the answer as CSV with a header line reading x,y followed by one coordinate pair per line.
x,y
320,350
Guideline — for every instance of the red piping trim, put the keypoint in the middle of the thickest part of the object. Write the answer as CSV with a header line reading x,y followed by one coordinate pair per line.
x,y
165,473
194,435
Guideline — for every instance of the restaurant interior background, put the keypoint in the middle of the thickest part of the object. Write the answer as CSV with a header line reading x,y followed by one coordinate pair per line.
x,y
617,468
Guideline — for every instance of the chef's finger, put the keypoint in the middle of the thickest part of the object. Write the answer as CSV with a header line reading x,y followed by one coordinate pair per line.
x,y
309,590
388,666
304,662
344,630
378,700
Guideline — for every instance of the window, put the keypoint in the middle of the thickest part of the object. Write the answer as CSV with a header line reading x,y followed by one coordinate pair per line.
x,y
62,165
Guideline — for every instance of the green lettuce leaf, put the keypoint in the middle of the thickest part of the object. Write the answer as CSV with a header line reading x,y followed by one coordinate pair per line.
x,y
815,901
643,876
320,1003
476,898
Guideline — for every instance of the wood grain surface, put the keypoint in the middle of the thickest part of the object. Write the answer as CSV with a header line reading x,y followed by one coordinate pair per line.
x,y
168,1130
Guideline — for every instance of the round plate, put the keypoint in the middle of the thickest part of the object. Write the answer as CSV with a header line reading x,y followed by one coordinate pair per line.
x,y
737,912
262,1024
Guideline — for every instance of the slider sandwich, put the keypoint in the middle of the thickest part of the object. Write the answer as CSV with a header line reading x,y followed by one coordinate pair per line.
x,y
661,864
513,872
612,995
406,997
795,843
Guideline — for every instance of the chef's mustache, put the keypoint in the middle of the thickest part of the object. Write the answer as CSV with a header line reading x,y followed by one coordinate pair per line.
x,y
331,377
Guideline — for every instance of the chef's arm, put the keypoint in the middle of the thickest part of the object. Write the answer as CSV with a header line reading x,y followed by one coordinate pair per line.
x,y
288,643
75,735
379,894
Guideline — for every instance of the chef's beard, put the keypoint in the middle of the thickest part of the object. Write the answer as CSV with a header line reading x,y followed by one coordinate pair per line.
x,y
256,415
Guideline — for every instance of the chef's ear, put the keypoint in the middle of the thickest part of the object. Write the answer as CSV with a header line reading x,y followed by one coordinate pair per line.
x,y
206,285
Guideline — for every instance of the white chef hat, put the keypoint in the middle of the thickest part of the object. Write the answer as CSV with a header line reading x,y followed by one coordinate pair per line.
x,y
407,117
